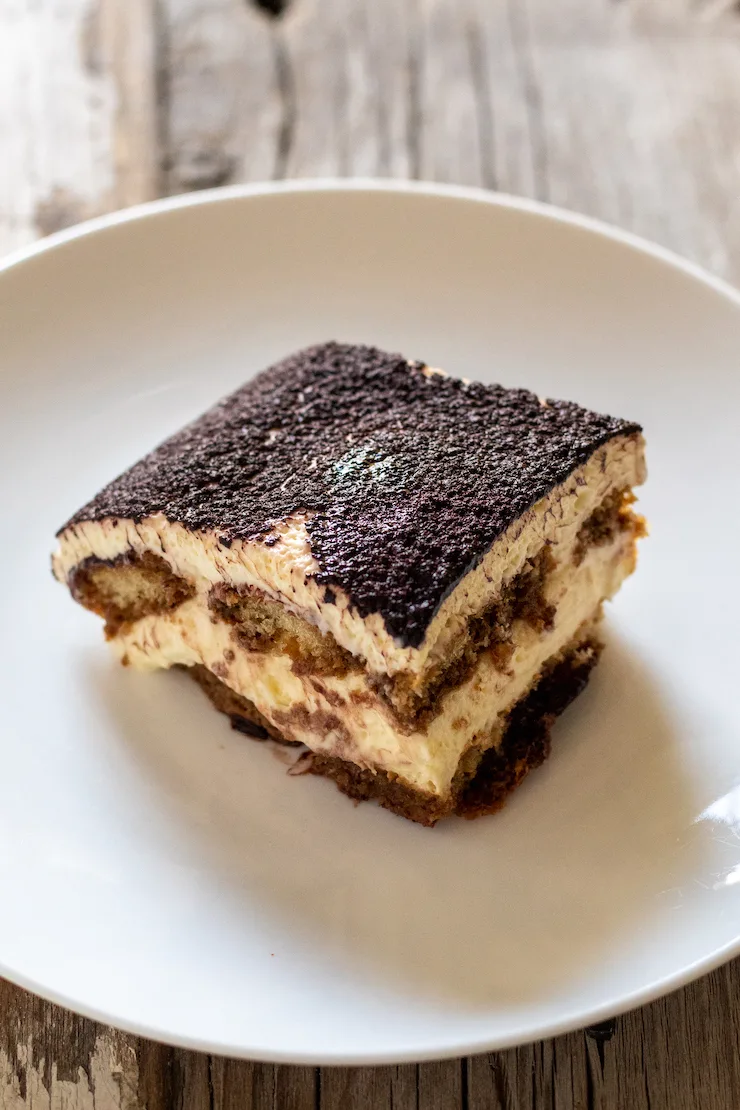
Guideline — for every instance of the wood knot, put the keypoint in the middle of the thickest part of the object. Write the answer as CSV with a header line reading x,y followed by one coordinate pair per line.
x,y
203,168
272,8
603,1031
61,208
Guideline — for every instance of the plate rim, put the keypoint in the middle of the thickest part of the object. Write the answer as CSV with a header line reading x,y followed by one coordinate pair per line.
x,y
572,1022
471,193
576,1018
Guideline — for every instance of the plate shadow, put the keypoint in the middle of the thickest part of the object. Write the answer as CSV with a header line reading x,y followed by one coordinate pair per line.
x,y
499,910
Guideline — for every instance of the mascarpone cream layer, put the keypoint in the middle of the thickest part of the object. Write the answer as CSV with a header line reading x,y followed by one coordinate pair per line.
x,y
285,570
345,716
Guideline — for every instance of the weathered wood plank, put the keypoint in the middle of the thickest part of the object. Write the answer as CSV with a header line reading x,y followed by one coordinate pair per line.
x,y
677,1054
680,1052
396,1088
477,93
50,1057
654,152
77,112
222,108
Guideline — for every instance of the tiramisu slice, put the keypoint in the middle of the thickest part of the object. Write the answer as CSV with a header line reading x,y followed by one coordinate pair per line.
x,y
403,571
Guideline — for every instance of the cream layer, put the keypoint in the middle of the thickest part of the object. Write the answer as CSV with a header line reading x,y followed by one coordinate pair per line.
x,y
286,570
345,716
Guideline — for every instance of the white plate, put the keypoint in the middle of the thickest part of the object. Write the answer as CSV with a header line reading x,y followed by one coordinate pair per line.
x,y
166,875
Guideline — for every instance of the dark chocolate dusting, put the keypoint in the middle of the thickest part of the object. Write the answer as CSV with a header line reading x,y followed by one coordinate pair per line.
x,y
410,477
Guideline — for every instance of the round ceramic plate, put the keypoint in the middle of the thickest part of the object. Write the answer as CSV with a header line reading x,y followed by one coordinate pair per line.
x,y
166,874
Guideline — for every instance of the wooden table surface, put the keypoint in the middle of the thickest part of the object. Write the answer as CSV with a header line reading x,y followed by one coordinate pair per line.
x,y
625,109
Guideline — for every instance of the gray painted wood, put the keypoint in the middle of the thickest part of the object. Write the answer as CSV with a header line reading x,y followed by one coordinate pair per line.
x,y
628,110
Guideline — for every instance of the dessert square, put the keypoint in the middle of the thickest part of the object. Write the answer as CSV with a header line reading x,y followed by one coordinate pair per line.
x,y
400,570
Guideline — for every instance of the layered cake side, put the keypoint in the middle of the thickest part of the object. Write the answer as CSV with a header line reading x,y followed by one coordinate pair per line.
x,y
403,571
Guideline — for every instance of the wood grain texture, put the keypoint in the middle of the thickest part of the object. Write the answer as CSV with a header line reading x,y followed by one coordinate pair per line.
x,y
78,122
628,110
